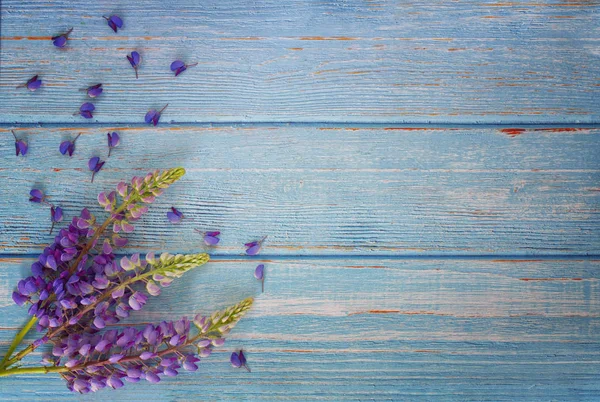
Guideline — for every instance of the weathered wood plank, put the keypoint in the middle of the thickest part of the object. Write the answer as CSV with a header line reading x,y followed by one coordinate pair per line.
x,y
384,329
327,190
351,61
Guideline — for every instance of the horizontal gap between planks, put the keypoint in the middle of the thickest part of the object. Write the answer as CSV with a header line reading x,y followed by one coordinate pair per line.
x,y
313,124
485,257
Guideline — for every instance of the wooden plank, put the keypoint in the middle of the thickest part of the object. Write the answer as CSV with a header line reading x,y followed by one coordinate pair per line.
x,y
351,61
382,329
323,190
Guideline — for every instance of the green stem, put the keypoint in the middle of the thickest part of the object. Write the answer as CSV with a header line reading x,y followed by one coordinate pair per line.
x,y
33,370
18,339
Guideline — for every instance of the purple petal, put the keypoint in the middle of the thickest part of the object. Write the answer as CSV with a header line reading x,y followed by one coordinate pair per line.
x,y
87,107
150,116
116,358
99,323
177,64
147,355
112,26
56,214
152,288
134,304
93,162
19,299
35,193
235,360
151,377
174,218
113,140
180,70
136,58
116,20
211,240
114,382
34,83
21,147
259,272
253,250
64,147
94,91
59,41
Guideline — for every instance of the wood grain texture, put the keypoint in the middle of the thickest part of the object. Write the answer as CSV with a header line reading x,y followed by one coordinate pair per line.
x,y
331,61
326,190
375,329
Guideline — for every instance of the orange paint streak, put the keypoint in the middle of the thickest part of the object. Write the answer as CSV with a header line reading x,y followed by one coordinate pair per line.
x,y
454,49
26,37
295,48
560,130
327,38
57,169
513,132
246,38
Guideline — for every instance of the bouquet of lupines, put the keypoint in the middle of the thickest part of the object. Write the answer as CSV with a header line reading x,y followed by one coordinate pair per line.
x,y
78,286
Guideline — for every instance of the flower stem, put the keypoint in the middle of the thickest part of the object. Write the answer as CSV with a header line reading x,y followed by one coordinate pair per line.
x,y
32,370
17,341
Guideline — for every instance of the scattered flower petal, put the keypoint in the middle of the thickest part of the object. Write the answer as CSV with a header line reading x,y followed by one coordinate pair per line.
x,y
36,196
61,40
153,116
135,59
114,22
86,110
94,90
113,141
259,273
56,215
179,67
32,84
95,164
20,145
68,147
174,216
253,248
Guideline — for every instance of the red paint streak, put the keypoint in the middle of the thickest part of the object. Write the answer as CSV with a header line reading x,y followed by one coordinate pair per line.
x,y
560,130
407,128
513,132
57,169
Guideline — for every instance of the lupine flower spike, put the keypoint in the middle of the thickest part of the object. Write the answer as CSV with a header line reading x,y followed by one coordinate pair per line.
x,y
94,90
20,145
153,116
56,215
61,40
238,360
68,147
253,248
259,273
174,215
113,141
210,238
114,22
32,84
95,164
86,110
135,59
179,67
37,196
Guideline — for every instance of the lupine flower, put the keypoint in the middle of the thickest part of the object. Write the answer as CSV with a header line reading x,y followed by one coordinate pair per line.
x,y
32,84
135,60
179,67
94,90
210,238
114,22
259,273
95,164
253,248
174,215
153,116
56,215
37,196
238,360
61,40
113,141
68,147
86,110
20,145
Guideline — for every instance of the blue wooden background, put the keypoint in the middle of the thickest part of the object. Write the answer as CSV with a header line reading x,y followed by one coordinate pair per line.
x,y
428,174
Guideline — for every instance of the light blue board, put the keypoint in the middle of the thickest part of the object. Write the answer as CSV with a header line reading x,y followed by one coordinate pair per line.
x,y
310,61
385,329
325,190
396,265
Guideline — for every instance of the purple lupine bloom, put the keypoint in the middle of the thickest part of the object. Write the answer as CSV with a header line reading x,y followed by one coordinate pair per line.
x,y
56,215
20,145
153,116
32,84
114,22
210,238
61,40
94,90
238,360
95,164
135,59
179,67
86,110
37,196
68,147
174,215
113,141
259,273
253,248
